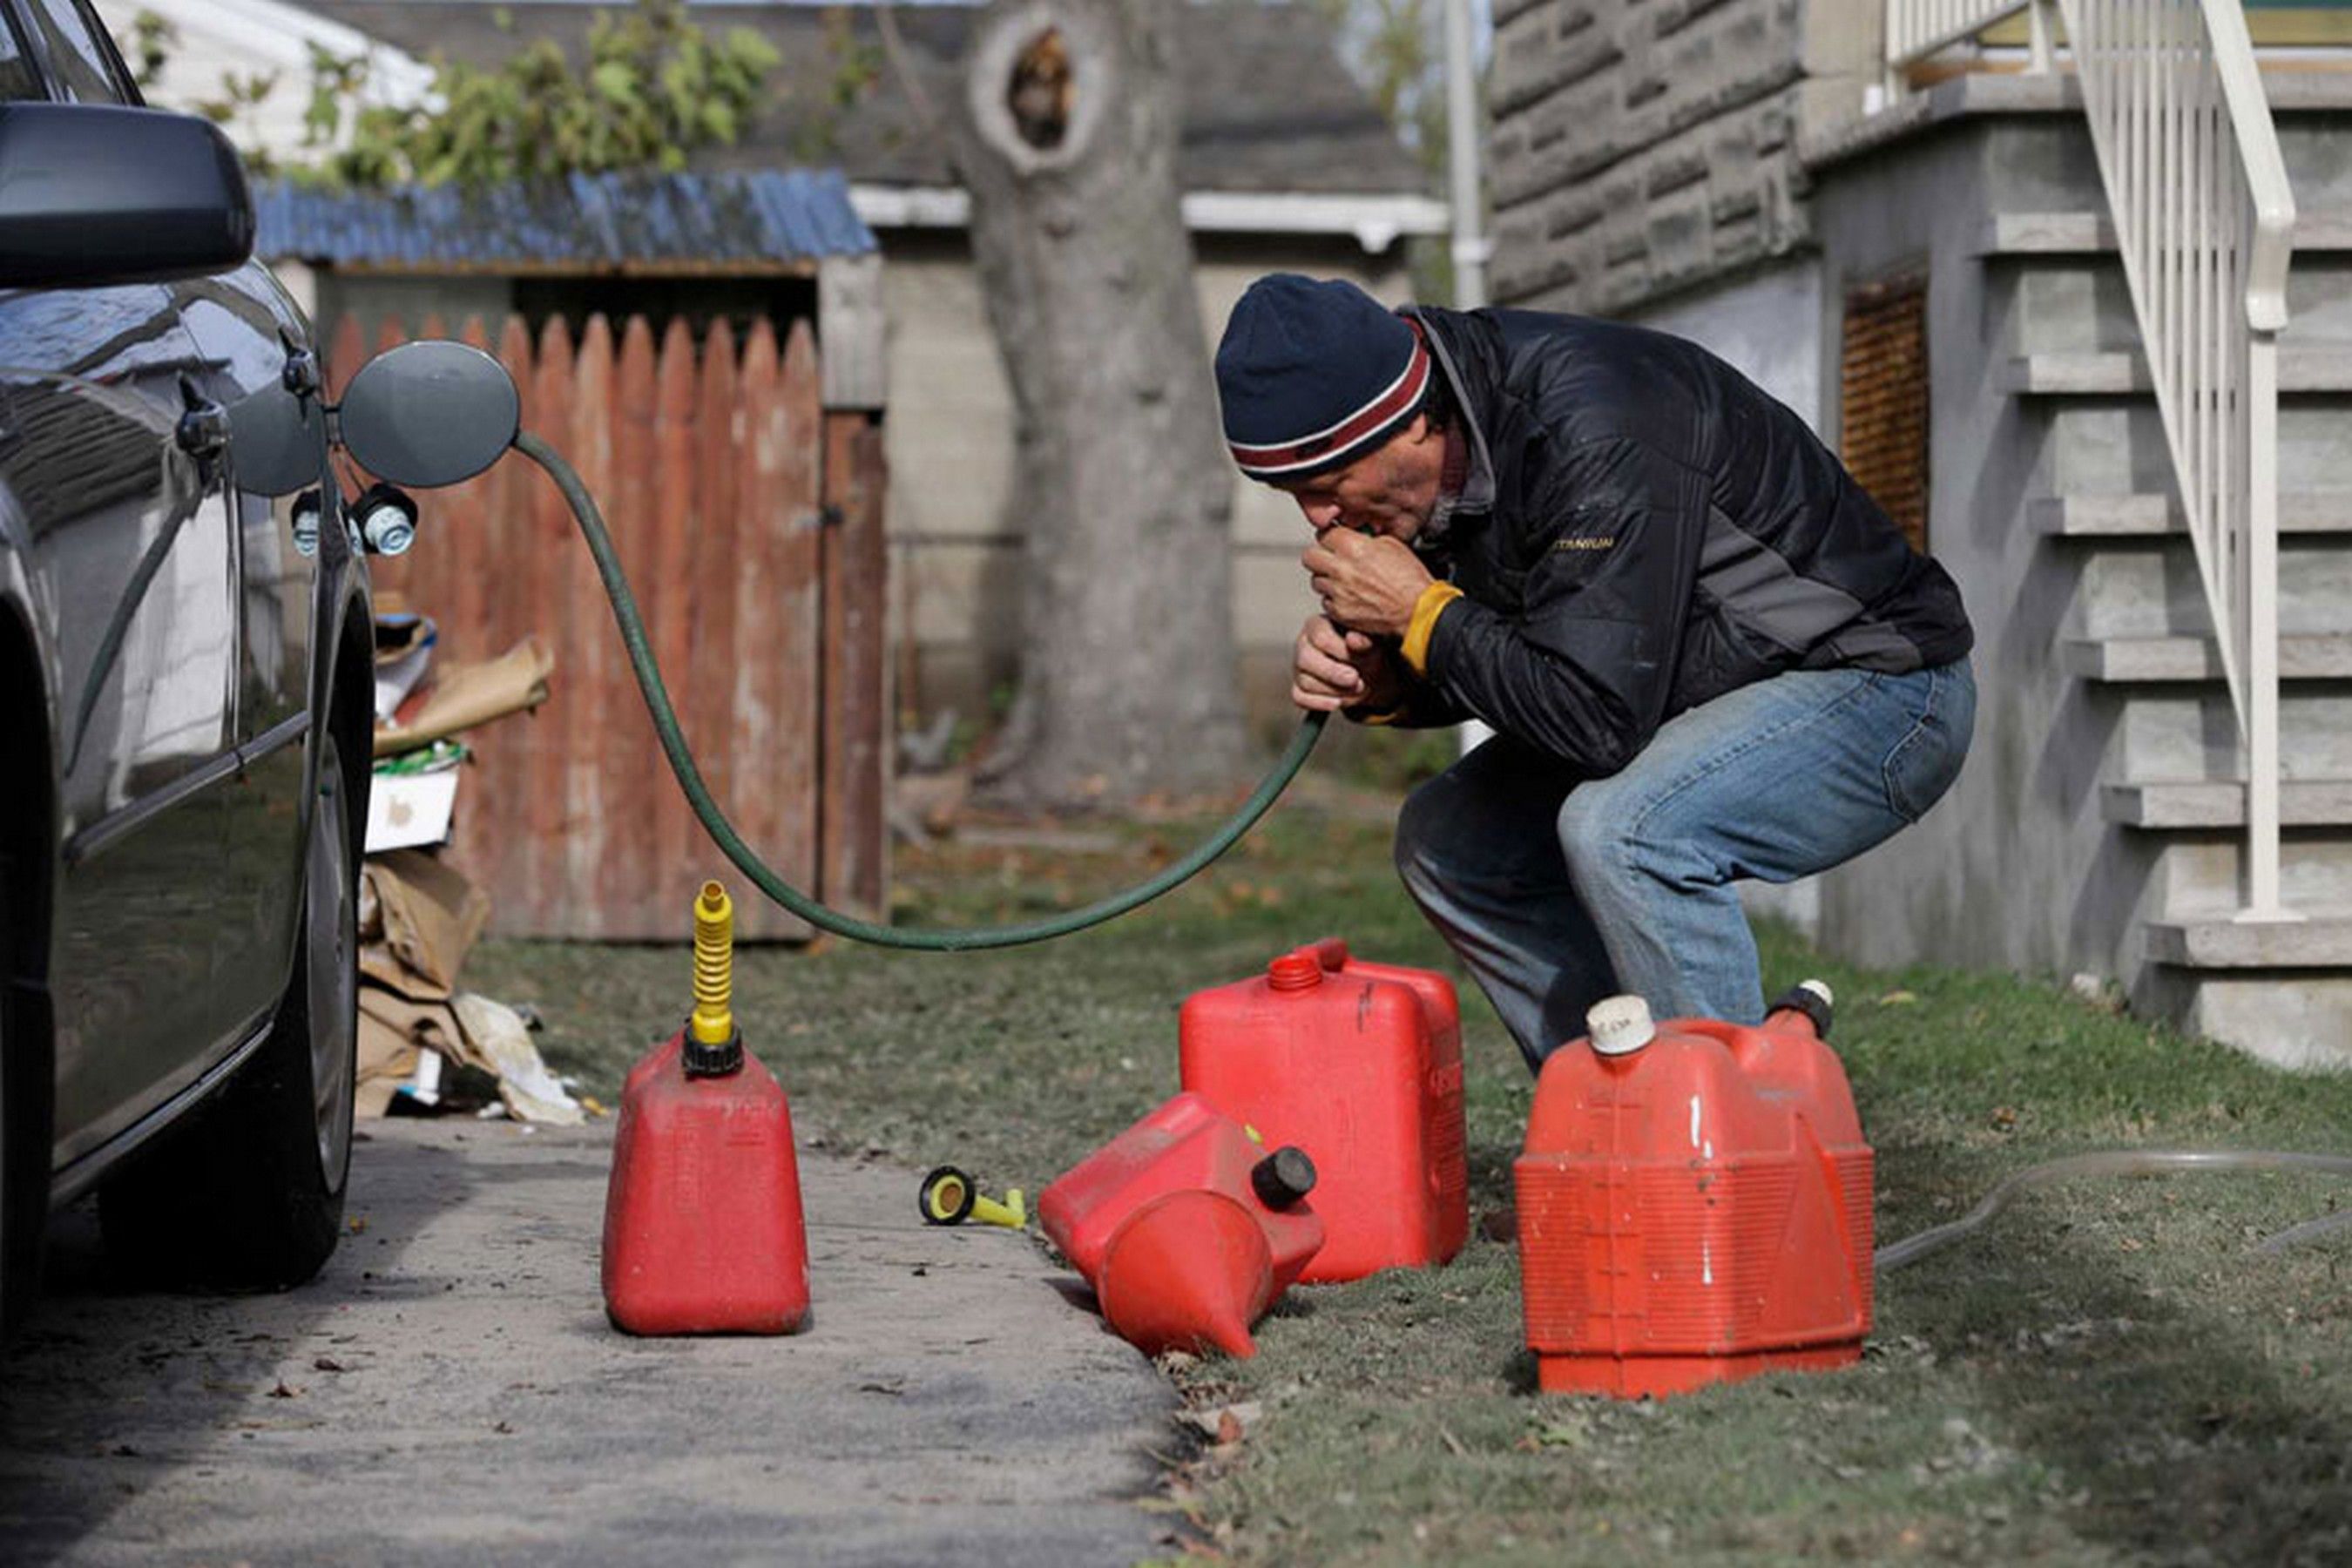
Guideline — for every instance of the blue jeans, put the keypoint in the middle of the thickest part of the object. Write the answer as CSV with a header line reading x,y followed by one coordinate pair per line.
x,y
1558,893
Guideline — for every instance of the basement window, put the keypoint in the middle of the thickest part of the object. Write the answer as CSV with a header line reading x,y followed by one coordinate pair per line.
x,y
1882,399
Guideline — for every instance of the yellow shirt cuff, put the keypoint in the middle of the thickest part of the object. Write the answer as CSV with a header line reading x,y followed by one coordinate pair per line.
x,y
1424,626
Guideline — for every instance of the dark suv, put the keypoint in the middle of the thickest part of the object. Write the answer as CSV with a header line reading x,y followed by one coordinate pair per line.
x,y
184,699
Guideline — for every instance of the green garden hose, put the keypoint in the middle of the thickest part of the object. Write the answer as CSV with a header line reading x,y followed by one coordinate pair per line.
x,y
763,877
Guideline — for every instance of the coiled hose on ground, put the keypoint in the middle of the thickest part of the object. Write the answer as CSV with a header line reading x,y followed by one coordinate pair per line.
x,y
1897,1254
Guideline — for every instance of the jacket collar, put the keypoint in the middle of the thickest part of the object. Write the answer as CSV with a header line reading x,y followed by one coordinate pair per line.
x,y
1477,495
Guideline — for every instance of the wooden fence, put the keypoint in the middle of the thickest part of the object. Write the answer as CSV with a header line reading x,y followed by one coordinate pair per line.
x,y
749,517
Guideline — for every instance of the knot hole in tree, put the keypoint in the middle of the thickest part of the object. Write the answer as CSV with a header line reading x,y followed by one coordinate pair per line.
x,y
1041,90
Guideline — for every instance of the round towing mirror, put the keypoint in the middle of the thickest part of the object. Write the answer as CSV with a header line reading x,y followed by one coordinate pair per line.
x,y
430,414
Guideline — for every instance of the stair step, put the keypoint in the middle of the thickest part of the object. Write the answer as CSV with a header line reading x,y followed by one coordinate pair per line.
x,y
2149,515
2326,656
2302,367
2319,942
2087,232
2222,803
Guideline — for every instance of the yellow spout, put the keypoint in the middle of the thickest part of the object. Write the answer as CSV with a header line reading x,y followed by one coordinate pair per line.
x,y
1011,1214
714,966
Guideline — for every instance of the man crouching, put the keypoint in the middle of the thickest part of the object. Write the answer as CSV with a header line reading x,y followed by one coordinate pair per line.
x,y
1706,653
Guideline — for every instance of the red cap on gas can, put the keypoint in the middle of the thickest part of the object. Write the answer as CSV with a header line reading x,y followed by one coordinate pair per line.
x,y
1295,972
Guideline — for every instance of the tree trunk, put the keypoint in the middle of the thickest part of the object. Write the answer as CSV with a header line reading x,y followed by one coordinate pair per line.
x,y
1065,135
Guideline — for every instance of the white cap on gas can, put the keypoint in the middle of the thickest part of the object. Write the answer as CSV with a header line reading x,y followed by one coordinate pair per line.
x,y
1619,1025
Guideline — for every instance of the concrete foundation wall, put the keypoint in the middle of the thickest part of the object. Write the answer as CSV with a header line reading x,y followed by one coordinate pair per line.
x,y
2016,867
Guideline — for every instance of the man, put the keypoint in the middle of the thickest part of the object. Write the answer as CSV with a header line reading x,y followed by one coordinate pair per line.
x,y
1706,654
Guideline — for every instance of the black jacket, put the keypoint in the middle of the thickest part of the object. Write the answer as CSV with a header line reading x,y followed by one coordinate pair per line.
x,y
1643,528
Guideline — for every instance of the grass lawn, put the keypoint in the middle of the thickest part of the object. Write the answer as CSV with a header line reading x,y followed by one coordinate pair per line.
x,y
2109,1375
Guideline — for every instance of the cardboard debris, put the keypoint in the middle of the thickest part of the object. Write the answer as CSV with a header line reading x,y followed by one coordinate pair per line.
x,y
388,1060
460,695
469,1030
392,1032
418,919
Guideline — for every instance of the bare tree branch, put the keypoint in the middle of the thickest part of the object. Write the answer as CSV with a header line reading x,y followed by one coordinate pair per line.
x,y
902,67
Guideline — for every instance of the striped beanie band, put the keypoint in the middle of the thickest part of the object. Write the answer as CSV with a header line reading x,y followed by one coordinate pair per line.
x,y
1313,374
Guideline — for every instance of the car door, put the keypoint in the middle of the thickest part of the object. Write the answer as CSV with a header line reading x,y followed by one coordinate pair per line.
x,y
133,574
245,328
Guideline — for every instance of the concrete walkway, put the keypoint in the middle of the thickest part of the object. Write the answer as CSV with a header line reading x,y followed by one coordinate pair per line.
x,y
448,1391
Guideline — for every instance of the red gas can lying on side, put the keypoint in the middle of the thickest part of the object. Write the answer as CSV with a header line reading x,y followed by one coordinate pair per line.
x,y
1694,1202
1187,1229
1360,1065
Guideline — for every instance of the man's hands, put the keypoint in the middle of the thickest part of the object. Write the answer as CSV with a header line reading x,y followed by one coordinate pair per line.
x,y
1368,584
1334,668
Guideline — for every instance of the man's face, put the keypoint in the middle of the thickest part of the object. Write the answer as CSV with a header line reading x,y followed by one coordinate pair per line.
x,y
1390,490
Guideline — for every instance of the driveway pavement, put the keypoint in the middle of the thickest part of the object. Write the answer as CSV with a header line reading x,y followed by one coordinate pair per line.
x,y
448,1391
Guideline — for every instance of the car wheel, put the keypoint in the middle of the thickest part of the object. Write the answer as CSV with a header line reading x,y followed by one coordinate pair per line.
x,y
248,1192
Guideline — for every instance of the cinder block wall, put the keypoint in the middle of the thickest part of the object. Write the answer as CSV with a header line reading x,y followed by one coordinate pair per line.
x,y
1644,147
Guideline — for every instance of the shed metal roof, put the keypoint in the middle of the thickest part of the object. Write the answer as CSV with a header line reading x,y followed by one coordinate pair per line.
x,y
766,220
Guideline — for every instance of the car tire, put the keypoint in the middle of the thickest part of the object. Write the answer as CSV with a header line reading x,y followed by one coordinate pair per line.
x,y
247,1192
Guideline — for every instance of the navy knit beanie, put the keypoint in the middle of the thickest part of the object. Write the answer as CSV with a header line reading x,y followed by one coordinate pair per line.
x,y
1314,374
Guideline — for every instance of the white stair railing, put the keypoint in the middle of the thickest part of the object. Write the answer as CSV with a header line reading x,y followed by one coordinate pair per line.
x,y
2204,220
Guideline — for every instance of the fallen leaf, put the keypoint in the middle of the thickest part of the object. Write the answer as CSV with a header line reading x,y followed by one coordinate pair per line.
x,y
1898,999
1226,1424
327,1364
283,1390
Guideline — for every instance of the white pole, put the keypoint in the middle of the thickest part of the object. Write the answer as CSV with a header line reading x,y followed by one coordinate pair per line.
x,y
1469,224
1470,246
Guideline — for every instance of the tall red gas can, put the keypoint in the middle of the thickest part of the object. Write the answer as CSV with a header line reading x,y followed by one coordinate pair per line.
x,y
1186,1226
1360,1065
703,1228
1694,1202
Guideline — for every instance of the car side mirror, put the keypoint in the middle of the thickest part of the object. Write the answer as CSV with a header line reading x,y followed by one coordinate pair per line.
x,y
429,413
92,195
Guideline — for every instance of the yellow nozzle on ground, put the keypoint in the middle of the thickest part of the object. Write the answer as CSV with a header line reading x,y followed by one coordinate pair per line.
x,y
714,966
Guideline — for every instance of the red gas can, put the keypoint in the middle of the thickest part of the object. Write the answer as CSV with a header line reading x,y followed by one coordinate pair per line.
x,y
1694,1202
1186,1227
1360,1065
703,1229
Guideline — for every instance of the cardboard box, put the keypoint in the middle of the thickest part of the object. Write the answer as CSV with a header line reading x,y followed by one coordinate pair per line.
x,y
408,810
